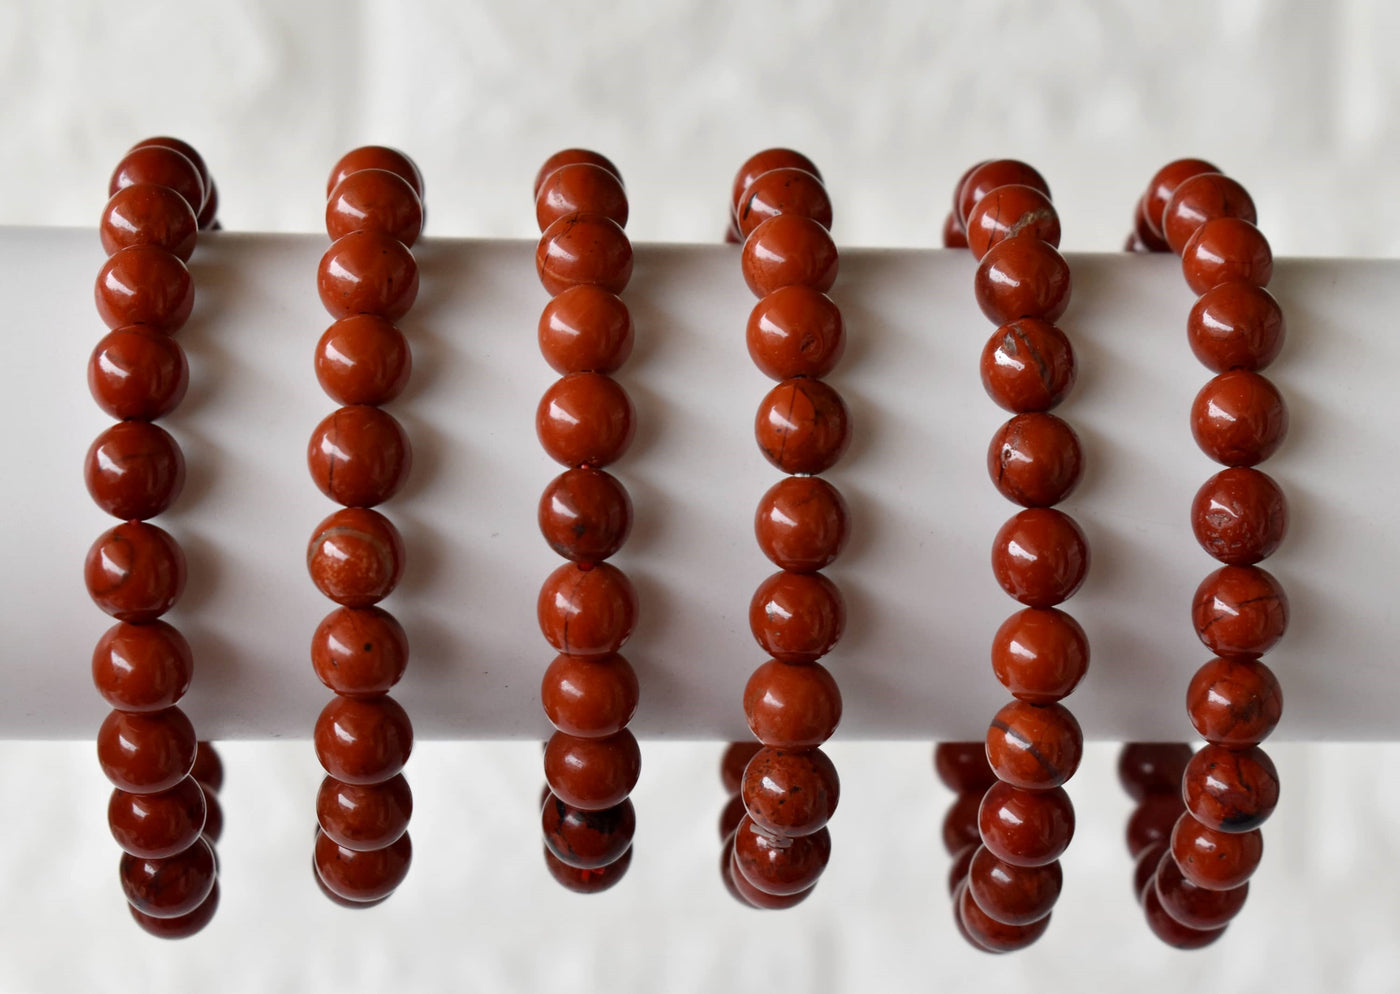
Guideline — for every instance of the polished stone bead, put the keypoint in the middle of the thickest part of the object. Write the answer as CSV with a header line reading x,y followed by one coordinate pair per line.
x,y
786,190
1231,790
587,840
208,767
585,419
363,741
1034,746
148,214
1145,867
797,617
1236,325
1028,365
732,765
755,898
1011,211
796,331
209,213
789,250
953,235
1164,184
367,272
580,188
1040,655
1239,418
362,877
134,470
792,705
375,157
585,515
802,426
1040,557
791,793
1148,239
1152,820
1168,929
359,456
588,881
356,557
730,817
1213,859
364,817
172,886
766,161
587,612
961,864
570,156
142,667
585,329
359,652
960,828
1239,516
589,698
135,572
1240,611
375,200
1192,906
962,766
1022,278
1026,827
1013,895
802,523
1201,198
1034,460
160,165
182,926
1226,250
137,374
584,249
1234,702
780,865
987,176
146,285
154,826
146,753
363,359
592,774
1152,768
213,814
988,933
185,149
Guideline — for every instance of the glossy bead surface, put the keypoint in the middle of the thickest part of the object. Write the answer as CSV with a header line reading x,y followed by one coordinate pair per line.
x,y
585,515
962,766
1234,702
134,470
138,374
1164,184
144,284
756,898
1022,278
1026,827
958,868
1236,326
367,272
1213,859
1226,250
1239,418
570,156
185,149
990,934
1145,867
780,865
1230,790
148,214
580,188
160,166
792,705
592,774
1168,929
169,887
209,213
142,667
766,161
953,236
1152,768
1040,655
355,557
1011,211
733,763
1146,232
135,571
796,331
364,817
208,767
1151,821
1239,516
182,926
585,329
1034,460
1040,557
585,419
146,753
1199,199
1028,365
960,829
376,157
154,826
375,200
588,881
587,612
790,793
587,840
213,814
797,617
1240,611
1013,895
1034,747
730,817
802,523
359,652
1192,906
589,698
359,456
985,177
583,249
363,359
362,877
363,741
786,190
802,426
789,250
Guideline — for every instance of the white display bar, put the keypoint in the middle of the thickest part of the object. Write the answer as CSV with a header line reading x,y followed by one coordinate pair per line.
x,y
921,601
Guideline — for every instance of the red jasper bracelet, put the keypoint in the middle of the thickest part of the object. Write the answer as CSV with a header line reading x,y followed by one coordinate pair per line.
x,y
587,607
359,456
1239,516
1003,213
162,812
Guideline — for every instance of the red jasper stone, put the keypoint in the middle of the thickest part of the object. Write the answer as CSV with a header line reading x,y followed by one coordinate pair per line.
x,y
1202,198
137,374
363,359
1034,746
1022,278
359,456
134,470
960,828
790,793
592,774
778,864
146,753
364,817
587,612
589,698
375,157
182,926
359,652
1152,820
585,329
1028,365
160,166
1152,768
756,898
956,215
148,214
1168,929
172,886
587,840
1148,239
1226,250
580,188
588,881
1213,859
732,765
585,419
789,250
786,190
953,235
1239,418
1231,790
1240,611
963,766
792,705
802,426
375,200
135,572
1035,460
730,817
1234,702
1040,655
990,934
213,814
208,767
1192,906
208,214
1236,325
802,523
356,557
146,285
985,177
796,331
766,161
362,877
1145,868
185,149
961,864
797,617
585,515
569,156
363,740
1164,184
580,249
1239,516
1026,827
1040,557
367,272
154,826
142,667
1013,895
1011,211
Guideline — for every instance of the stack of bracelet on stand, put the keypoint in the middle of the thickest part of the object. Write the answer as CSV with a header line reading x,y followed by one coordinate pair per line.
x,y
731,774
962,767
796,336
1150,773
587,607
359,457
1039,556
161,197
1239,517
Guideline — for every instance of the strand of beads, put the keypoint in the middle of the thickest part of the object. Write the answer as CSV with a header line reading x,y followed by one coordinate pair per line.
x,y
731,774
1239,516
796,336
135,572
1039,557
587,607
962,767
1150,773
359,457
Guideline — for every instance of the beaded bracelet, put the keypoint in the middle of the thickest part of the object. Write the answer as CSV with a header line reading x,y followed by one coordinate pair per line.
x,y
1039,556
795,335
1239,516
135,571
587,607
963,768
359,457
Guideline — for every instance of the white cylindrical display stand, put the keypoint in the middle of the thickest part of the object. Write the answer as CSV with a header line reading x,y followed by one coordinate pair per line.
x,y
921,601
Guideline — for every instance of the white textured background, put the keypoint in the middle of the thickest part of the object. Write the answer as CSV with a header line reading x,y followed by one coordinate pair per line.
x,y
1300,100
